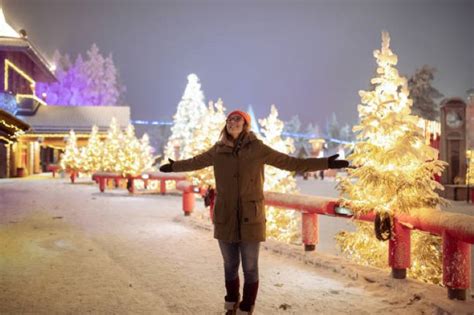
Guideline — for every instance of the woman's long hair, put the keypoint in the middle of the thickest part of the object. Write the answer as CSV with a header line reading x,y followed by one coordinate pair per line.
x,y
227,138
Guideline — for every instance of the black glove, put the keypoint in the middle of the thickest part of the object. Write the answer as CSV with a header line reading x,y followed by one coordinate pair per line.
x,y
167,168
333,163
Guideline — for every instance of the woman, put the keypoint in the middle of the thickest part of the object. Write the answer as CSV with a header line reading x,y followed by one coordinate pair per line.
x,y
238,159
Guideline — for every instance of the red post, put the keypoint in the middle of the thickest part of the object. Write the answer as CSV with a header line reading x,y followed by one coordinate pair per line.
x,y
102,182
54,173
131,185
117,182
456,267
310,231
399,250
188,202
163,186
73,176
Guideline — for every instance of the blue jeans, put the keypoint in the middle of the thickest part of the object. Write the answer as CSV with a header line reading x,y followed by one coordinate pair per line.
x,y
231,252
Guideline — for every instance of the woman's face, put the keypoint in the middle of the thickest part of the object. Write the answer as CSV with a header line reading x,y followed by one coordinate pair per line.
x,y
235,125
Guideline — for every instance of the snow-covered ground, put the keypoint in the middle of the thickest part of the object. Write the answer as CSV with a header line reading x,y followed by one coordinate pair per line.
x,y
70,249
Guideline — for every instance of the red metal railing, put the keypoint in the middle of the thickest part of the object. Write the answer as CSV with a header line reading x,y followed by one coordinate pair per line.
x,y
456,230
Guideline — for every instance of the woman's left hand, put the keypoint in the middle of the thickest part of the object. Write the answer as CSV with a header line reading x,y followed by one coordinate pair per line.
x,y
334,163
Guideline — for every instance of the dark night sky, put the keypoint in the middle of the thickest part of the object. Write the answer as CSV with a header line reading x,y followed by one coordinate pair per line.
x,y
308,57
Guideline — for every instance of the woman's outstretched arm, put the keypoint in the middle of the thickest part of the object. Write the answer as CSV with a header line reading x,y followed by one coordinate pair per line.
x,y
289,163
197,162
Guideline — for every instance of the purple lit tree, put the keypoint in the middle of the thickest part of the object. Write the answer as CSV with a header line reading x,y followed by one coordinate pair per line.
x,y
94,81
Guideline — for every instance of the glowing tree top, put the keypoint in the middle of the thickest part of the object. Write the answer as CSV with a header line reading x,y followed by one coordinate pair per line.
x,y
204,138
394,168
189,114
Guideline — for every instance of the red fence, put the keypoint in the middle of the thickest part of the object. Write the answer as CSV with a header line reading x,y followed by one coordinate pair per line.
x,y
456,230
103,177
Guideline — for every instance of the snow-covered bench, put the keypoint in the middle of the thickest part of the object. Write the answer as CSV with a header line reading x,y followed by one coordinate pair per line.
x,y
53,168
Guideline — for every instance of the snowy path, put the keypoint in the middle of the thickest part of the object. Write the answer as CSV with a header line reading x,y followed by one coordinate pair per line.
x,y
69,249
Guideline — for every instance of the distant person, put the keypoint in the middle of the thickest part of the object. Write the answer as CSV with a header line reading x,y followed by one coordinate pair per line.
x,y
239,220
321,173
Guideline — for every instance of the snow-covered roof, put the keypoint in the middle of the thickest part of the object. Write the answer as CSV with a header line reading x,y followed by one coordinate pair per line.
x,y
57,119
10,40
5,28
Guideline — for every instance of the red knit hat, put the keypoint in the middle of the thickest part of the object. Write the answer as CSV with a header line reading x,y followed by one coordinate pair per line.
x,y
243,114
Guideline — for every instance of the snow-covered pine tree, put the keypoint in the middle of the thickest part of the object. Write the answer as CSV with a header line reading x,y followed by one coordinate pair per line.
x,y
94,70
73,89
130,153
91,155
394,170
110,84
281,224
423,94
190,112
112,147
71,158
94,81
146,153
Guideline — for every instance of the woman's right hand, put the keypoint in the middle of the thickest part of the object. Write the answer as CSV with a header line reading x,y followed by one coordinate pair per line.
x,y
167,168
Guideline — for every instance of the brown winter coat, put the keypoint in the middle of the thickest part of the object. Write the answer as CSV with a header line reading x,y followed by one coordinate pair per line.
x,y
239,213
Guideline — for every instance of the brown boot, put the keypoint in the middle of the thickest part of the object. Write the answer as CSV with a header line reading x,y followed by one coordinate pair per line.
x,y
233,296
248,301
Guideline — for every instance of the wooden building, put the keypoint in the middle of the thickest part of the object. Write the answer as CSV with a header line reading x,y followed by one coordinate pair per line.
x,y
21,66
10,129
44,129
50,125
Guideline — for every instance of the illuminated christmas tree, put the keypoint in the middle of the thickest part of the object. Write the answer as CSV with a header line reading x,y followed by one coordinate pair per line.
x,y
91,155
112,147
189,115
281,225
146,153
130,153
71,159
204,138
394,169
